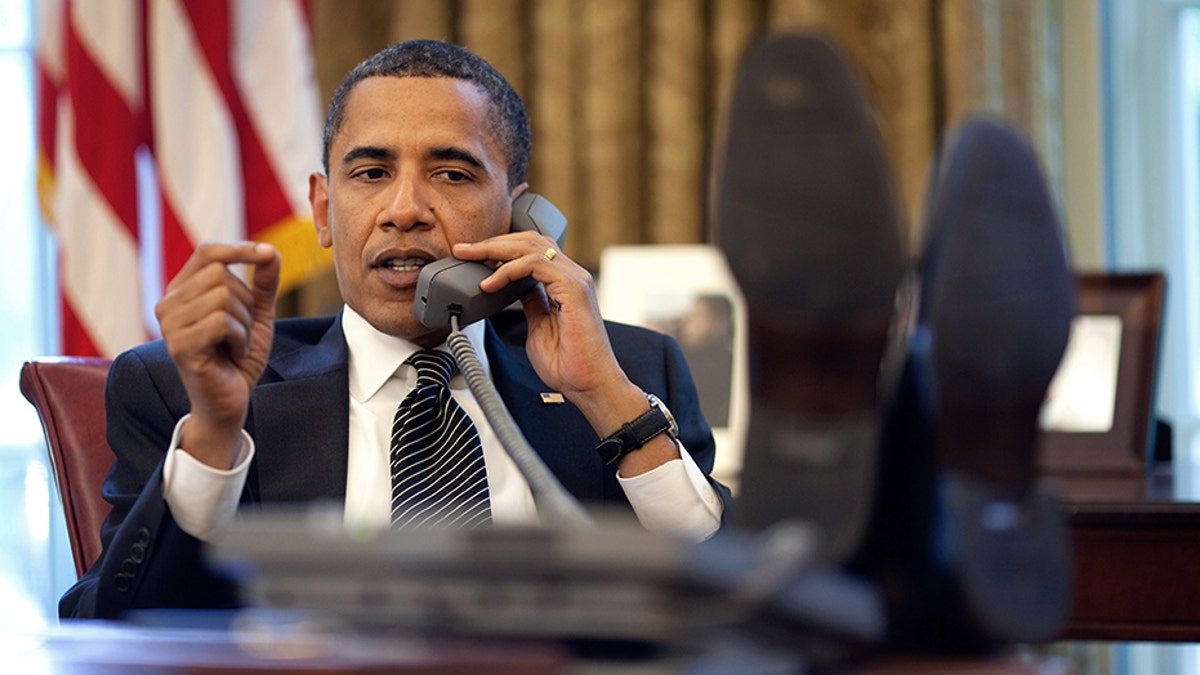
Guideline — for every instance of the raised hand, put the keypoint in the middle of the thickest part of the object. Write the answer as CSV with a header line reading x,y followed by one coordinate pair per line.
x,y
218,329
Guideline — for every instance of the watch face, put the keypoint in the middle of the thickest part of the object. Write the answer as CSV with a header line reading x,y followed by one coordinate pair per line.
x,y
656,402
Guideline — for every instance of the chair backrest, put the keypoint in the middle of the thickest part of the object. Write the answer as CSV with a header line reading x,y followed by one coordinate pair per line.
x,y
68,393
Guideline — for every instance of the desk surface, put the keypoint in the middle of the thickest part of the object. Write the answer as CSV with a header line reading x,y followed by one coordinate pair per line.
x,y
1136,541
1165,486
98,647
95,647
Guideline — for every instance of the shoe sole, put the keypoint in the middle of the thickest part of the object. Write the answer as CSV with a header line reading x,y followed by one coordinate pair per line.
x,y
808,223
998,298
997,305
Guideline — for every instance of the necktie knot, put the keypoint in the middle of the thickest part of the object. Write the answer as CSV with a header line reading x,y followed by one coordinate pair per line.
x,y
433,367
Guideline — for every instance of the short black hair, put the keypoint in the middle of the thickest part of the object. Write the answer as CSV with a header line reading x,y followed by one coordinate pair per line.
x,y
431,58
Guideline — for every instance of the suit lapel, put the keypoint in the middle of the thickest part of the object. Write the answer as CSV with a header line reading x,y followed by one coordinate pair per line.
x,y
300,421
557,431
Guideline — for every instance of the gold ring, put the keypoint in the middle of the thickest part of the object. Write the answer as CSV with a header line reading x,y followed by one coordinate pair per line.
x,y
549,254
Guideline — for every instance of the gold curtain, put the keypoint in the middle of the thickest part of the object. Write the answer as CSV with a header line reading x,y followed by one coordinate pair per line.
x,y
625,95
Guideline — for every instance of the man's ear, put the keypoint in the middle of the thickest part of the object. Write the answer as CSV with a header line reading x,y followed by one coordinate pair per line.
x,y
318,198
512,197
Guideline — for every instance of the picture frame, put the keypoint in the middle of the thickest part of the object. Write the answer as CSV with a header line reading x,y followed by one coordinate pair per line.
x,y
1109,376
676,289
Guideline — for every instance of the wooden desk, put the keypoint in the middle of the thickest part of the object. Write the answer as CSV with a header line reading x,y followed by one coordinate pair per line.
x,y
1137,556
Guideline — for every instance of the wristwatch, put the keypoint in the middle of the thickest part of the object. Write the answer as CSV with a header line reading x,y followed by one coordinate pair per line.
x,y
635,434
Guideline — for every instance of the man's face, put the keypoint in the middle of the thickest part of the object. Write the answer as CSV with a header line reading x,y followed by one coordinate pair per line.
x,y
414,169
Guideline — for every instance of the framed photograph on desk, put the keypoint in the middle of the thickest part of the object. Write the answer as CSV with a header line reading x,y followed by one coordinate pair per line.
x,y
688,292
1099,412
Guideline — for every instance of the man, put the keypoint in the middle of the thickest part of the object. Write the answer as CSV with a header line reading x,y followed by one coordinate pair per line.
x,y
425,150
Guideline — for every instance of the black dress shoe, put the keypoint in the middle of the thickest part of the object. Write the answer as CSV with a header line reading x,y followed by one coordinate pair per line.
x,y
808,222
969,550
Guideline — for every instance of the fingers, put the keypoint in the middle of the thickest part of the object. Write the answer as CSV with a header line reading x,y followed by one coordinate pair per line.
x,y
224,333
208,308
226,253
522,255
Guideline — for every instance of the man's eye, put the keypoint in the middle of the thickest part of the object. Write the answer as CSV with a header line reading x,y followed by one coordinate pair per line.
x,y
371,174
455,176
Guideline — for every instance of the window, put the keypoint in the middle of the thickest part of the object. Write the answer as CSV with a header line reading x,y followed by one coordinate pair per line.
x,y
1151,107
35,559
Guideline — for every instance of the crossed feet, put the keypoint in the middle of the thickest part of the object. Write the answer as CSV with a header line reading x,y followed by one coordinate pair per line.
x,y
894,404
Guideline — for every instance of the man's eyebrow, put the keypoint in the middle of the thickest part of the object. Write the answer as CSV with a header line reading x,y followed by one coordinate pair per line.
x,y
454,153
366,152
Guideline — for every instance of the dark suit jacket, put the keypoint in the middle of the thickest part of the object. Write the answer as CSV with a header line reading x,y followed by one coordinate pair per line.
x,y
299,420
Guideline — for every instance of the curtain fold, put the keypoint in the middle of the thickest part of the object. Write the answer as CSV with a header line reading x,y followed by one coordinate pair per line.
x,y
554,109
677,122
612,143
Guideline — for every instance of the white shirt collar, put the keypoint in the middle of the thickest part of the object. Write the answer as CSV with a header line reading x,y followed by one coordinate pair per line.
x,y
375,356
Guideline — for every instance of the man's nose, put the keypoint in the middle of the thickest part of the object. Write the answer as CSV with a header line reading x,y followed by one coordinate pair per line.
x,y
409,204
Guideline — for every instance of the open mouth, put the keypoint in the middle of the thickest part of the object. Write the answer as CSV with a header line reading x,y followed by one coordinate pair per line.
x,y
403,264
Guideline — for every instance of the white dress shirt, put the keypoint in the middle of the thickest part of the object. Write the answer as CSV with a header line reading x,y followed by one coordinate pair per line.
x,y
674,498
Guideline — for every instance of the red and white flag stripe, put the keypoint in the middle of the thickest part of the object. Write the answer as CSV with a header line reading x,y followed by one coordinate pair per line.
x,y
222,96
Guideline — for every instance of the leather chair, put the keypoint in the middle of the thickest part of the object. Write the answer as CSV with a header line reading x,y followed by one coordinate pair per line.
x,y
68,393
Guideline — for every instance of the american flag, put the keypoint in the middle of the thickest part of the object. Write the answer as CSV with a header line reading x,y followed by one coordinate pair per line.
x,y
164,123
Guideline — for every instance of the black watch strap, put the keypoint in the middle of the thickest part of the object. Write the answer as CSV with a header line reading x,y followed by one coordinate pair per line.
x,y
633,435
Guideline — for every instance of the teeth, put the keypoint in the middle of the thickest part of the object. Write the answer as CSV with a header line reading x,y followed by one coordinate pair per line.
x,y
405,264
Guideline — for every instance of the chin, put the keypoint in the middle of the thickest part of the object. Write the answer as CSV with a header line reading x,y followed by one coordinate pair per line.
x,y
409,328
396,321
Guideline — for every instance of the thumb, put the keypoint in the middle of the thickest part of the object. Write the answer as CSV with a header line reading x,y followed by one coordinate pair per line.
x,y
265,280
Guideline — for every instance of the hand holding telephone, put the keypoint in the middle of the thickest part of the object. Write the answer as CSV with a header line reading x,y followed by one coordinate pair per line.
x,y
451,286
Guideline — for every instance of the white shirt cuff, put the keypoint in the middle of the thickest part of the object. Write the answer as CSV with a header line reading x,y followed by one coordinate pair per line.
x,y
203,498
675,499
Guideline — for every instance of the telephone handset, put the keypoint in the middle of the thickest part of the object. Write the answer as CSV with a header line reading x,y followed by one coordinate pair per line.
x,y
451,286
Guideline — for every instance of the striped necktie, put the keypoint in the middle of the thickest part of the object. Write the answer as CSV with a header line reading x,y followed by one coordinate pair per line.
x,y
438,475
